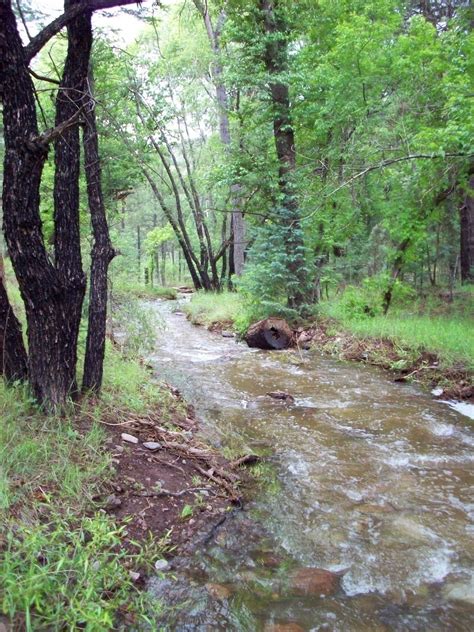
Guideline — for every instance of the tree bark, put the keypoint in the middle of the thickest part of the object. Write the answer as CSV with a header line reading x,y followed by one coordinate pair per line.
x,y
40,285
271,333
276,61
101,255
222,99
466,213
13,359
396,269
67,236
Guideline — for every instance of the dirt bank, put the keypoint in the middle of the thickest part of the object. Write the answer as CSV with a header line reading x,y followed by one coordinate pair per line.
x,y
166,482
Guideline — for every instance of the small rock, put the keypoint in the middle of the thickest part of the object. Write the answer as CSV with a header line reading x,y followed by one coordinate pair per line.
x,y
112,502
219,591
152,445
128,438
95,565
134,576
228,334
161,565
314,581
460,591
119,449
437,392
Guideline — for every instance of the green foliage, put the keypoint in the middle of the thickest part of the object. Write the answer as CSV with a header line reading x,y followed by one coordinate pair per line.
x,y
69,574
421,325
268,281
138,323
366,301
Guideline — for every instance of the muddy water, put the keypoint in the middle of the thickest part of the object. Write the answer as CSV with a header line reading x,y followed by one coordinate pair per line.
x,y
371,478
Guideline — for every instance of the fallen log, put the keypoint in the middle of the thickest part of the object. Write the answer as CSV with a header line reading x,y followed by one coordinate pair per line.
x,y
271,333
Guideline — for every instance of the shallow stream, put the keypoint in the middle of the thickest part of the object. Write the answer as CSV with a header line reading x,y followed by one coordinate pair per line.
x,y
371,478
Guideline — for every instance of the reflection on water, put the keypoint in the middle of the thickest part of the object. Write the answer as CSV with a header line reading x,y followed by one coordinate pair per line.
x,y
374,479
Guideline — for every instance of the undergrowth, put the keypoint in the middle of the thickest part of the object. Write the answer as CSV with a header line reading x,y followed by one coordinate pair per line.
x,y
63,564
429,324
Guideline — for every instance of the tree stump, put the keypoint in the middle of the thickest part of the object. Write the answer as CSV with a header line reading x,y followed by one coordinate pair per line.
x,y
271,333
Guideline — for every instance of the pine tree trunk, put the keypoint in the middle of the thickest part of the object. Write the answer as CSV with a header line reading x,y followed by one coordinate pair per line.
x,y
101,255
276,61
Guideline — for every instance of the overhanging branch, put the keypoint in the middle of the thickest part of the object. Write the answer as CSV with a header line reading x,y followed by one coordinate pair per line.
x,y
59,23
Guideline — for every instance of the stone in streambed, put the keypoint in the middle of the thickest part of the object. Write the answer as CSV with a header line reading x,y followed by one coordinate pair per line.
x,y
228,334
152,445
314,582
460,591
128,438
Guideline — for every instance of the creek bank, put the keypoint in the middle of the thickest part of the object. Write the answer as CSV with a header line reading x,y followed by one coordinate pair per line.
x,y
408,364
166,483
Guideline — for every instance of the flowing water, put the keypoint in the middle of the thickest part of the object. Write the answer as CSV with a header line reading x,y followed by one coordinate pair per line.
x,y
371,478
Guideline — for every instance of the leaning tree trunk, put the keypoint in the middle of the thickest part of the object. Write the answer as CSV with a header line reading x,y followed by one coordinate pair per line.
x,y
276,62
13,360
101,255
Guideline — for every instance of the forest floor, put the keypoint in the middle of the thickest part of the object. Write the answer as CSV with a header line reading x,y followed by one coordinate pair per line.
x,y
429,344
89,507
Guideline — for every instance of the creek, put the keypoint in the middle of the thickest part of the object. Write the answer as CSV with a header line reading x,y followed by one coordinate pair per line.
x,y
369,478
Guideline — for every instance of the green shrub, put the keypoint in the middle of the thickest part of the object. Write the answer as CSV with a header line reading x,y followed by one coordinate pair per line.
x,y
68,575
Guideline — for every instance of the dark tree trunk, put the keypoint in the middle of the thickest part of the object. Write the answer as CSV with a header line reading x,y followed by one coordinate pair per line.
x,y
13,360
276,61
397,266
45,297
466,213
67,237
101,255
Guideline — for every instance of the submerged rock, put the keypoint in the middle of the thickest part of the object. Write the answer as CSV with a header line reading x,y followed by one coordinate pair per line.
x,y
286,397
314,582
460,591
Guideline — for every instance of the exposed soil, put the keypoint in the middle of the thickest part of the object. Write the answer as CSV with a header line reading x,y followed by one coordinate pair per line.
x,y
176,490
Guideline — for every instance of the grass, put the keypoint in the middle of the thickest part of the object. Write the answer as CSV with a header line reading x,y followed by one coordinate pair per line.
x,y
444,328
62,560
144,291
209,308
